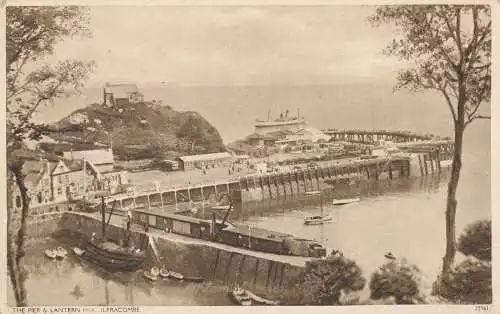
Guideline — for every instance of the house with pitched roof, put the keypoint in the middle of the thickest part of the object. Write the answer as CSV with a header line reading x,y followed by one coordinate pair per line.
x,y
65,180
73,178
117,95
102,159
38,182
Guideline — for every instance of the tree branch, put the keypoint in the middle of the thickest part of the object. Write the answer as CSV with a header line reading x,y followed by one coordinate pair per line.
x,y
476,117
450,105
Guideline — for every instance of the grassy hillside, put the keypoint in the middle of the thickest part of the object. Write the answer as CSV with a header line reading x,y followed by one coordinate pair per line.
x,y
138,131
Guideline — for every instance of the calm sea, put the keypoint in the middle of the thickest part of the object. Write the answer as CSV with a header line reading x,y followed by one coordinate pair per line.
x,y
405,217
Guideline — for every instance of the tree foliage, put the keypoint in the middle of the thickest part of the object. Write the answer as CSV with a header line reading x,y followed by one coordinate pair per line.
x,y
396,279
476,240
324,281
468,282
31,35
191,132
448,48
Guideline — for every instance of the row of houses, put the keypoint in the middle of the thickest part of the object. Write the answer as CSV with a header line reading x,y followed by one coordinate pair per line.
x,y
76,175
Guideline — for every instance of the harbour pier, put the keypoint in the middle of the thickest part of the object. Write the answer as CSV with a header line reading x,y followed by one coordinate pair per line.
x,y
420,158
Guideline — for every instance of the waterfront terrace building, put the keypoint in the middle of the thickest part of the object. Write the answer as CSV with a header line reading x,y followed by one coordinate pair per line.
x,y
205,160
121,95
38,181
65,180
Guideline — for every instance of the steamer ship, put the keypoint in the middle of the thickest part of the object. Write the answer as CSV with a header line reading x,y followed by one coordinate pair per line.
x,y
284,122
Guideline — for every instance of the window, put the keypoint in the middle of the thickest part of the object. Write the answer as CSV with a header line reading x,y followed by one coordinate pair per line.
x,y
59,191
67,179
59,179
18,201
46,181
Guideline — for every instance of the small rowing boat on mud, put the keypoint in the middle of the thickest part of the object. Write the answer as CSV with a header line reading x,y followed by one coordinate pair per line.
x,y
260,300
50,254
78,251
60,252
240,296
152,274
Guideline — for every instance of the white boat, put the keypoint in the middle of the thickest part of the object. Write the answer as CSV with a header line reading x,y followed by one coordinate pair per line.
x,y
164,272
155,271
317,220
240,296
220,207
150,276
61,252
175,275
50,253
313,193
78,251
345,201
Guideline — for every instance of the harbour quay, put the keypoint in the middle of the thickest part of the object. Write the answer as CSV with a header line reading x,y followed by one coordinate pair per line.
x,y
265,272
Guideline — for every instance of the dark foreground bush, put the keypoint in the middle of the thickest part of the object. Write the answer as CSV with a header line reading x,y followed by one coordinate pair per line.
x,y
468,282
325,281
476,240
396,279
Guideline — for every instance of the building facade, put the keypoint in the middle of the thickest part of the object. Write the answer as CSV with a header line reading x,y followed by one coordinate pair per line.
x,y
66,180
121,95
205,160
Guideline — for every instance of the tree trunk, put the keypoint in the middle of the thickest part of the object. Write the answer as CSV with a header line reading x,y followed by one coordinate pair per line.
x,y
451,201
19,270
11,251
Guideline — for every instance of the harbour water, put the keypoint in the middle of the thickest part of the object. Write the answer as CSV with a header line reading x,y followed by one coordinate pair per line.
x,y
404,216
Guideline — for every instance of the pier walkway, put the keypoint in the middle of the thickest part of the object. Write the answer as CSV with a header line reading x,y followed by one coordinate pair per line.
x,y
429,149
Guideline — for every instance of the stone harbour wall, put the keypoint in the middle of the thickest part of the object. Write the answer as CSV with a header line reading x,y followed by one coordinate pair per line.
x,y
191,259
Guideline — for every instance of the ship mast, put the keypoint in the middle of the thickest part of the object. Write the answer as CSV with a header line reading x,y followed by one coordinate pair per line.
x,y
269,115
322,225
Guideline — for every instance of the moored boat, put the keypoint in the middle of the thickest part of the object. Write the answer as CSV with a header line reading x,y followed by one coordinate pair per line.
x,y
260,300
155,271
176,275
61,252
149,275
345,201
50,253
78,251
240,296
313,193
164,272
220,207
317,220
112,257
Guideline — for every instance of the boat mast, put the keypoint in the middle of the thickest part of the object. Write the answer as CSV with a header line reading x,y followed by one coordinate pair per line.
x,y
322,225
103,215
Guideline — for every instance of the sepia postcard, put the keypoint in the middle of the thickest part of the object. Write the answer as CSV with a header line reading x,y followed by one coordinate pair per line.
x,y
177,155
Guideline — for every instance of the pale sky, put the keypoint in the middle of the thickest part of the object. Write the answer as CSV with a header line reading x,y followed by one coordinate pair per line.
x,y
257,45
